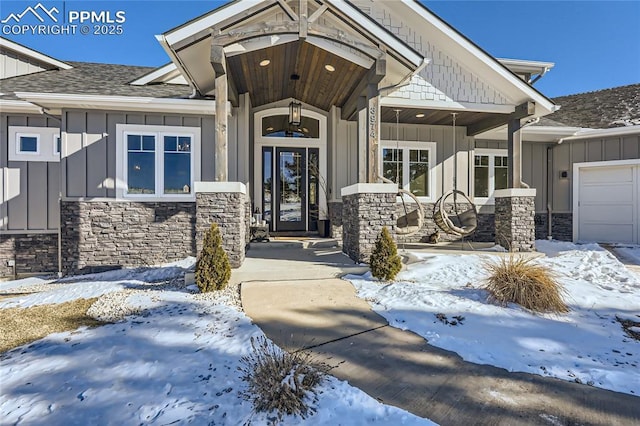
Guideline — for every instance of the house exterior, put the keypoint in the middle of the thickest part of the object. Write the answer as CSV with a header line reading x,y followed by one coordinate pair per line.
x,y
584,161
110,165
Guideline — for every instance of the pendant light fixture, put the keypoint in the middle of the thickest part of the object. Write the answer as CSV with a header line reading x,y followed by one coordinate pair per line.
x,y
295,107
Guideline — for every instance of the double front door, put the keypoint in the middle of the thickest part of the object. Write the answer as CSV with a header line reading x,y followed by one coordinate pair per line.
x,y
290,188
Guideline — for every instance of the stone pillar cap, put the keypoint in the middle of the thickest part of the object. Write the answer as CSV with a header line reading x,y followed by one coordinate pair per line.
x,y
218,187
369,188
514,192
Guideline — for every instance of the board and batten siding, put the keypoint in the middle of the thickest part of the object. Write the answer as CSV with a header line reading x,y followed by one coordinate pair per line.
x,y
89,148
345,153
28,190
534,166
12,65
545,173
583,151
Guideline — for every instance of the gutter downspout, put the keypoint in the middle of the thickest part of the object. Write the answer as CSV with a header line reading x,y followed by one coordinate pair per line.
x,y
44,112
539,76
407,79
549,186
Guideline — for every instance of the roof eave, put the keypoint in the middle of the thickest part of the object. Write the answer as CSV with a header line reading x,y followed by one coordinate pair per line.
x,y
41,57
120,103
17,106
544,105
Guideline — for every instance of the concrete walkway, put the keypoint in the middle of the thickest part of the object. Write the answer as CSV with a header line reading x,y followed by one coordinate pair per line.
x,y
313,310
629,262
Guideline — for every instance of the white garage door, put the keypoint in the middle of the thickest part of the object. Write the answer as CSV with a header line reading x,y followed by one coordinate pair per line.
x,y
608,202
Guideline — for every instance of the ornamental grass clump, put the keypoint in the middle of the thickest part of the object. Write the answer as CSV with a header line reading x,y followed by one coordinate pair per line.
x,y
515,279
279,382
384,261
213,269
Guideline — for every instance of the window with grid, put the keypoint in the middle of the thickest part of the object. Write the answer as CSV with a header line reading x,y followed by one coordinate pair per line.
x,y
410,165
392,165
490,172
157,162
141,164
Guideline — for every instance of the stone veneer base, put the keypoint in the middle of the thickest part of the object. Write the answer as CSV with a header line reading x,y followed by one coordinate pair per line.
x,y
514,222
102,235
562,225
32,253
335,219
231,212
363,217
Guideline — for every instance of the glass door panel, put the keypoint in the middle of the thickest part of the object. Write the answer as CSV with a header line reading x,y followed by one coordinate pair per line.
x,y
314,187
290,195
267,184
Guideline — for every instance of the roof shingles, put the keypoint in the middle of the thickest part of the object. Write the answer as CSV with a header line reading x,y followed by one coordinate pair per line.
x,y
602,109
92,79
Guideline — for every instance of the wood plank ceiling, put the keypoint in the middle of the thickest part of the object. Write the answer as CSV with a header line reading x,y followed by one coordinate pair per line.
x,y
433,117
316,86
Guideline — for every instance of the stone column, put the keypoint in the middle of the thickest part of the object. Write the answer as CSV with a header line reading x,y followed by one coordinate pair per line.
x,y
515,219
224,203
366,209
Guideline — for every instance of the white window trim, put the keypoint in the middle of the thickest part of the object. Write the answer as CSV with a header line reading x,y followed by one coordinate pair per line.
x,y
159,132
492,153
43,136
405,146
55,145
19,136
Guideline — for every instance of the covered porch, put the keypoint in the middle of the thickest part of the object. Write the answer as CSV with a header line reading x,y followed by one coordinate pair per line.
x,y
308,108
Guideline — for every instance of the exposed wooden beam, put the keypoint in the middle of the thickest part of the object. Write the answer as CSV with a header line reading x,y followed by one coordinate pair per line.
x,y
362,139
303,20
232,91
287,9
218,60
292,27
219,64
221,154
373,133
514,153
318,13
523,110
374,76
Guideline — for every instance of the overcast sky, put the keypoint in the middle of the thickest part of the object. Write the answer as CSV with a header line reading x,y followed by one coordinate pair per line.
x,y
594,44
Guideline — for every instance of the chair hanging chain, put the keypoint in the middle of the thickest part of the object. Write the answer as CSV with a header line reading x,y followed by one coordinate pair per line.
x,y
398,146
455,152
455,162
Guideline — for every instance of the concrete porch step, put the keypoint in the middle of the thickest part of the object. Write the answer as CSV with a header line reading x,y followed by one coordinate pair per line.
x,y
294,243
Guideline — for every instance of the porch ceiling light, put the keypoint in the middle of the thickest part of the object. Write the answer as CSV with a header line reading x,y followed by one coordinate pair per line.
x,y
329,68
419,115
295,113
265,62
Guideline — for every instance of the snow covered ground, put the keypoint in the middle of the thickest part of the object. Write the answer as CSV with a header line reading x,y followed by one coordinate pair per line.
x,y
441,299
173,363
